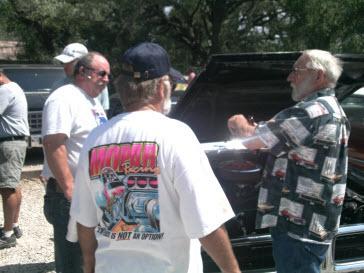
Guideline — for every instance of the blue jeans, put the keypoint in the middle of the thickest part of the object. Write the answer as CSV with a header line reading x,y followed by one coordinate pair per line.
x,y
294,256
68,256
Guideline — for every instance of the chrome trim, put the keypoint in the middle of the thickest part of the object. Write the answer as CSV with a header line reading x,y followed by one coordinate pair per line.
x,y
35,141
251,240
329,266
45,91
356,160
347,229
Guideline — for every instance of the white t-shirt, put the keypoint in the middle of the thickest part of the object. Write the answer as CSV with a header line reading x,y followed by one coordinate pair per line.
x,y
70,111
145,182
103,97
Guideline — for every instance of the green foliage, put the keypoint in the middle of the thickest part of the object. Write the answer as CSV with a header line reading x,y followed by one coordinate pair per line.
x,y
191,30
331,25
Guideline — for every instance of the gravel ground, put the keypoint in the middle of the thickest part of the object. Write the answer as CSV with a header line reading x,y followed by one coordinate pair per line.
x,y
34,251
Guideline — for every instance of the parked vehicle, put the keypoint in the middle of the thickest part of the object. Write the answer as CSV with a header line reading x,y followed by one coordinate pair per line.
x,y
36,80
255,85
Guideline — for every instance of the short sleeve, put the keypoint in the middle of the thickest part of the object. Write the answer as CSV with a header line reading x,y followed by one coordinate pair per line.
x,y
57,118
293,127
4,99
83,208
203,204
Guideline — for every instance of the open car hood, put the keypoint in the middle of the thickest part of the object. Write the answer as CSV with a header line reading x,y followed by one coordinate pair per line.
x,y
250,83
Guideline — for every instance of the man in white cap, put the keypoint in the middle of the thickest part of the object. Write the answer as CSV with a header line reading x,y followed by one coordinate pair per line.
x,y
69,114
69,57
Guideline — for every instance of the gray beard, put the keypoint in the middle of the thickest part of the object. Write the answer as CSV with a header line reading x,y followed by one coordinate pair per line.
x,y
167,105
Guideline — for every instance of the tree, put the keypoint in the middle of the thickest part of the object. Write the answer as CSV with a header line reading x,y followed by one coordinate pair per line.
x,y
190,30
205,27
330,25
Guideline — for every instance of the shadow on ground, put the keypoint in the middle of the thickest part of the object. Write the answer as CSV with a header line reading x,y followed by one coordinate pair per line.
x,y
34,156
28,268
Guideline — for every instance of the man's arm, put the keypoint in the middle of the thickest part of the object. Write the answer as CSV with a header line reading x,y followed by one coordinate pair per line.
x,y
4,98
88,243
239,126
56,155
218,246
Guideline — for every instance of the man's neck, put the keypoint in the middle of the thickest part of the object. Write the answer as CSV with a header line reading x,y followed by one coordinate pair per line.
x,y
4,80
145,107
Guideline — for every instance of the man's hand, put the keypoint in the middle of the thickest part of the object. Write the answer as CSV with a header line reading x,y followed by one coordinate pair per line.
x,y
68,191
239,126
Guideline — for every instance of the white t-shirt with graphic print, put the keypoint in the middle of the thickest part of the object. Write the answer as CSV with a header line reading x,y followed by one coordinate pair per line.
x,y
70,111
146,185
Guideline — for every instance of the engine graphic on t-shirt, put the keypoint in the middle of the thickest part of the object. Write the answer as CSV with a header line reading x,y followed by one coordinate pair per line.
x,y
125,182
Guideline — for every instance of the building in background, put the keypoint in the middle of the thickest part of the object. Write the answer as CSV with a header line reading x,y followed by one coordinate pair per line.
x,y
9,50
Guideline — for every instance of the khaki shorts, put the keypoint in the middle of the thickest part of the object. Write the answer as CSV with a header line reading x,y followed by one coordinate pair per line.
x,y
12,155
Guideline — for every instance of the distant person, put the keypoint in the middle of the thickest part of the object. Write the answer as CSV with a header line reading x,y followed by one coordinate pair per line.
x,y
303,184
145,197
69,114
14,131
69,57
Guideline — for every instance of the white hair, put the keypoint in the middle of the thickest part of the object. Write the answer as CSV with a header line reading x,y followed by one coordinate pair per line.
x,y
326,62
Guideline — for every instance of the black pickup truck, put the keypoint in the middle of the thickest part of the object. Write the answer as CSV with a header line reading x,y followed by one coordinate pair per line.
x,y
36,80
255,85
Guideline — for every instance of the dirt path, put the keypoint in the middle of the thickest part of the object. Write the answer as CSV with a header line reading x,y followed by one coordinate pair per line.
x,y
34,251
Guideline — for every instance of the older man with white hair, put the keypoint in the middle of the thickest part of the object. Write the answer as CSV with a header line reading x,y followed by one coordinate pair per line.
x,y
303,184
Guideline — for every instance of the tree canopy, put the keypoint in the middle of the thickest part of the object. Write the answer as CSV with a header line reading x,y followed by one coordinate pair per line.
x,y
190,30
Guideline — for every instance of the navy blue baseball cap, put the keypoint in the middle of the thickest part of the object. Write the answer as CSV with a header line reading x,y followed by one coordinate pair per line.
x,y
145,61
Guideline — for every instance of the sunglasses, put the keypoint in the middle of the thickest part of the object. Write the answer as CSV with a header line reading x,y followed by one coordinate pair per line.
x,y
99,73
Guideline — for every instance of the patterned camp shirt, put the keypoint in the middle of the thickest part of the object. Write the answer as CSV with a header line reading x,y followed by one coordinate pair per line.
x,y
303,183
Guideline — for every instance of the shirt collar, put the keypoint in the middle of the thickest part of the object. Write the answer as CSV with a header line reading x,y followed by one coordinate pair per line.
x,y
320,93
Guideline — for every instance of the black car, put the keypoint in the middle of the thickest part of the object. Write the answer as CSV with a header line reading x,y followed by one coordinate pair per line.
x,y
255,85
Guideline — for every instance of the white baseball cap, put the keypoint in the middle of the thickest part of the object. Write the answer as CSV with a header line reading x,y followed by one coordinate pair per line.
x,y
72,52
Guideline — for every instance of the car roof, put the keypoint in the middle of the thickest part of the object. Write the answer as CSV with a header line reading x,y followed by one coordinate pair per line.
x,y
30,66
275,56
225,67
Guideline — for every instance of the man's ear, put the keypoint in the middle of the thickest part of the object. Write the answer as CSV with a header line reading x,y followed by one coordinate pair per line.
x,y
160,90
321,80
320,76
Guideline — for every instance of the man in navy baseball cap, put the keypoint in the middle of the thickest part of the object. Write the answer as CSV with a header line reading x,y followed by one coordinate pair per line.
x,y
146,61
145,70
159,169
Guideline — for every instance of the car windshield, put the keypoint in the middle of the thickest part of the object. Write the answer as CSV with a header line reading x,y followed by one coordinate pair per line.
x,y
34,79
